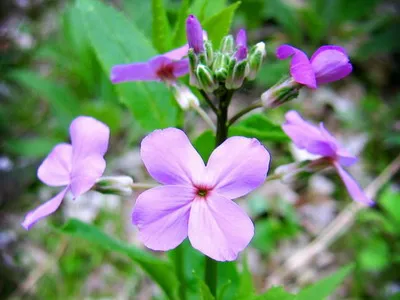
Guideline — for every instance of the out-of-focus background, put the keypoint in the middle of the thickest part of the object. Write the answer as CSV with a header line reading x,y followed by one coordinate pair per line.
x,y
50,73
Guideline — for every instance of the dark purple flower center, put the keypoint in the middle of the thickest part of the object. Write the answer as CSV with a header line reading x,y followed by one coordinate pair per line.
x,y
202,191
166,72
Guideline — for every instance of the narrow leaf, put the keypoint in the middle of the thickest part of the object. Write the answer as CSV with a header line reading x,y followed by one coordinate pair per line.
x,y
276,293
161,28
180,27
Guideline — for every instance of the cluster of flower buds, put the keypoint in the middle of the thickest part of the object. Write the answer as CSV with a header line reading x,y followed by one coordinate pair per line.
x,y
228,66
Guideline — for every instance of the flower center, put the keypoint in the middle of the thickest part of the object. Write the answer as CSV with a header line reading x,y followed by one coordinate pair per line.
x,y
202,191
166,72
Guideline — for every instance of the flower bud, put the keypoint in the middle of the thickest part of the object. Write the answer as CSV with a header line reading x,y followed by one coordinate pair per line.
x,y
241,53
116,185
237,75
241,38
220,66
256,57
206,79
209,53
280,93
193,61
227,44
184,96
194,34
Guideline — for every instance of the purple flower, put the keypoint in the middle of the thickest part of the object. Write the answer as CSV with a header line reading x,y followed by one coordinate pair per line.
x,y
327,64
76,166
195,200
163,67
241,38
194,34
317,140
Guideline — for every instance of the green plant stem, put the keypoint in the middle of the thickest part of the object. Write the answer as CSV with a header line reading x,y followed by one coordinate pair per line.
x,y
178,259
143,186
244,111
209,102
211,266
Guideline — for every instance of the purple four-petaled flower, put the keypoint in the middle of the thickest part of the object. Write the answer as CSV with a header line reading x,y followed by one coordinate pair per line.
x,y
195,200
327,64
166,67
76,166
317,140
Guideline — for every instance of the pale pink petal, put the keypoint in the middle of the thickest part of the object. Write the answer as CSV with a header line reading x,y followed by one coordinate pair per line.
x,y
89,137
237,166
178,53
44,210
85,172
170,158
330,63
132,72
180,68
55,169
353,187
161,215
219,228
300,67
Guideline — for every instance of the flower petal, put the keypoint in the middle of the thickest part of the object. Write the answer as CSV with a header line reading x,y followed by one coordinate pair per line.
x,y
237,166
353,188
132,72
300,66
85,172
178,53
44,210
170,158
55,169
161,215
219,228
88,137
330,63
180,68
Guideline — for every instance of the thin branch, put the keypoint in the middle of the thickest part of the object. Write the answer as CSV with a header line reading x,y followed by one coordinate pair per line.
x,y
143,186
243,112
334,230
204,116
209,102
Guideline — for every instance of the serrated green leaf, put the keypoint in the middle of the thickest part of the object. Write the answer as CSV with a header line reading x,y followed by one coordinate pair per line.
x,y
276,293
204,144
180,26
63,102
326,286
219,24
258,126
161,28
159,270
117,41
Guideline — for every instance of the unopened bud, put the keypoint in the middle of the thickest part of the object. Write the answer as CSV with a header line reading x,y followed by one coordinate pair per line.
x,y
116,185
206,79
280,93
241,53
185,97
193,61
256,58
194,34
220,66
209,53
236,77
241,38
227,44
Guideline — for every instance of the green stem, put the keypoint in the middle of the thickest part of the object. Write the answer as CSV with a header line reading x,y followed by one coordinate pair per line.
x,y
179,262
211,266
244,111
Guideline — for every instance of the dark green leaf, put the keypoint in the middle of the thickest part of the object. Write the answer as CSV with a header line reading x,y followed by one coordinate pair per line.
x,y
204,144
218,25
161,28
326,286
159,270
180,27
205,293
258,126
117,41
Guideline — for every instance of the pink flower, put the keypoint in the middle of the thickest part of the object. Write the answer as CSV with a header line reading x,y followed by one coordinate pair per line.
x,y
327,64
166,67
317,140
195,200
76,166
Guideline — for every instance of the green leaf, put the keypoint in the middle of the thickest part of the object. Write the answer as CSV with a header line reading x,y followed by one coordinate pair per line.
x,y
31,147
179,37
204,9
204,144
159,270
258,126
117,41
390,201
326,286
272,72
246,286
161,28
139,11
63,102
276,293
218,25
205,293
375,255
